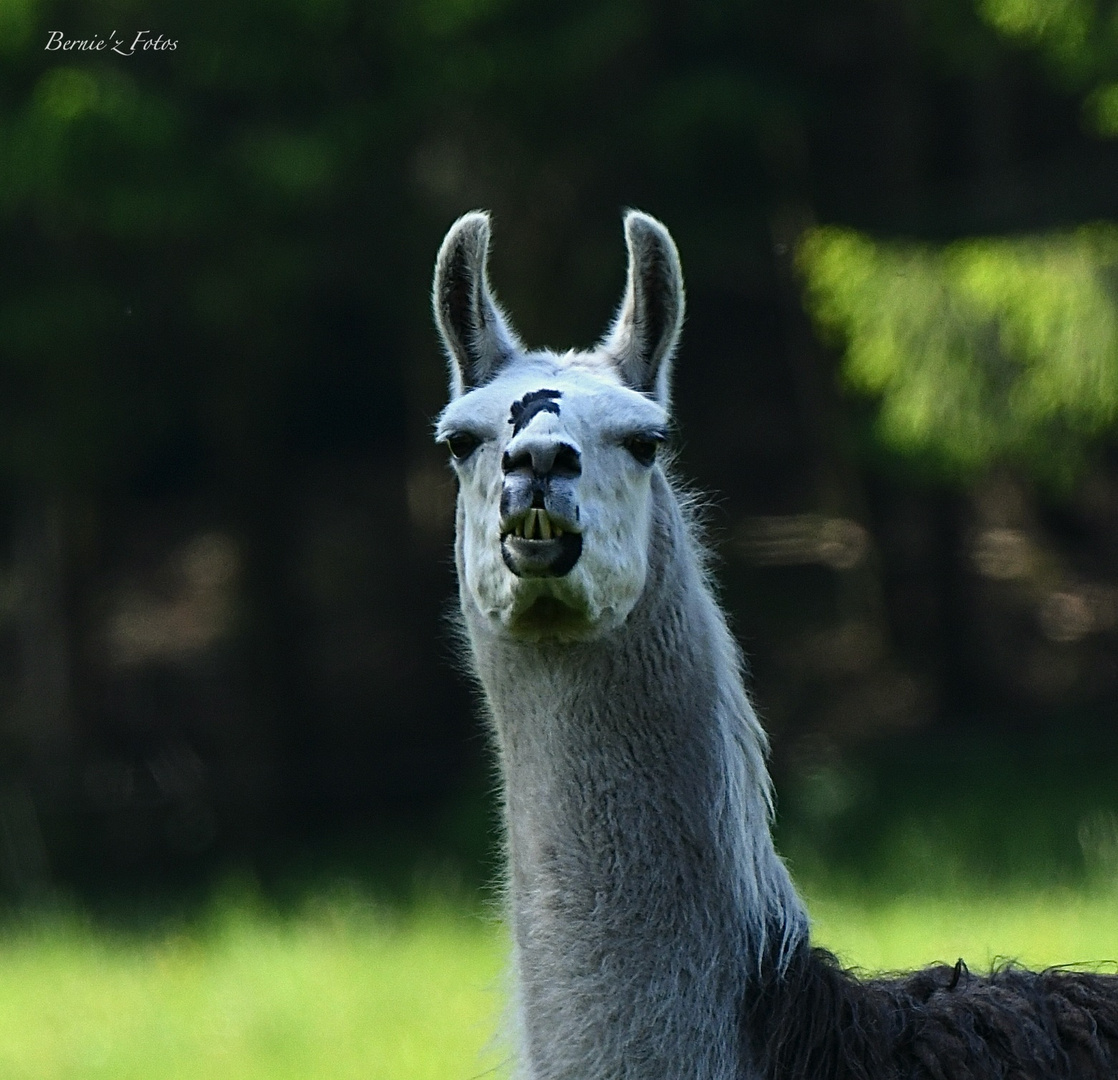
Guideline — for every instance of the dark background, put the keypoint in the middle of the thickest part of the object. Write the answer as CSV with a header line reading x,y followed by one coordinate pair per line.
x,y
225,533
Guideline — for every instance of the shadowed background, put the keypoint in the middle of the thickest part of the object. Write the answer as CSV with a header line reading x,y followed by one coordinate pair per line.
x,y
225,533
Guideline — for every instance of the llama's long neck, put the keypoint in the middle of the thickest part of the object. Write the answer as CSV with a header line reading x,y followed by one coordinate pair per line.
x,y
645,890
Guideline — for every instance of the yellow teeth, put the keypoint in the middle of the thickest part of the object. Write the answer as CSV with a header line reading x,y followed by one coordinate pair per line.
x,y
537,525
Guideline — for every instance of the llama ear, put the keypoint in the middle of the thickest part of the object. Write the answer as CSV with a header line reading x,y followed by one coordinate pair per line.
x,y
477,338
645,332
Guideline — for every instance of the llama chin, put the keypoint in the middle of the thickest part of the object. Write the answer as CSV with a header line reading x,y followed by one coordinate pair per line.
x,y
656,933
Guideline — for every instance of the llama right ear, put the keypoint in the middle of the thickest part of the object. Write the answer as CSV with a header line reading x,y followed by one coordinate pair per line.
x,y
646,330
477,338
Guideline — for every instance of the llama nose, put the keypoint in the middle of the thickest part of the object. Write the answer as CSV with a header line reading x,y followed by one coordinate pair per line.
x,y
540,472
543,457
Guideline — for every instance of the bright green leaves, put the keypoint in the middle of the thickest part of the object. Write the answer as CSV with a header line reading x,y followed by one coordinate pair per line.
x,y
985,349
1078,40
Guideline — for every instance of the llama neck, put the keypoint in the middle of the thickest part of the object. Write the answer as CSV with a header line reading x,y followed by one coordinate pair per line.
x,y
645,889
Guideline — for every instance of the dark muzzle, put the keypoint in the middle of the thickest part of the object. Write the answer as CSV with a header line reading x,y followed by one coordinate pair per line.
x,y
540,531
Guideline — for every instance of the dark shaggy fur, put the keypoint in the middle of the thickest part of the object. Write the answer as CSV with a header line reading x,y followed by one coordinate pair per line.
x,y
818,1022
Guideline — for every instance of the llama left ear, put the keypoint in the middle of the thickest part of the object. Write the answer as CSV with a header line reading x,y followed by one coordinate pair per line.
x,y
477,338
646,330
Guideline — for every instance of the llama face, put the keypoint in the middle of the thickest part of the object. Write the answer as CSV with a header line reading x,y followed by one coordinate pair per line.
x,y
555,454
554,463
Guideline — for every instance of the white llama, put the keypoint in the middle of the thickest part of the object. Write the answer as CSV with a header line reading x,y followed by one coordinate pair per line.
x,y
657,935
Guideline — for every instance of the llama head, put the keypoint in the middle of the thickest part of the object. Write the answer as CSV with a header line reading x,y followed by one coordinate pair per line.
x,y
555,453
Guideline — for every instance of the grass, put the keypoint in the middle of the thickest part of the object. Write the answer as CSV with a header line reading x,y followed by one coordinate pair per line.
x,y
1038,929
347,989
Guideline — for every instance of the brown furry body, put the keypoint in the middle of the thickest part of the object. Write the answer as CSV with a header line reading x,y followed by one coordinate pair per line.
x,y
815,1021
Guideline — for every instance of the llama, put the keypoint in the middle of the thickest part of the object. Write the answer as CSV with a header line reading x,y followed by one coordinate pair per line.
x,y
656,933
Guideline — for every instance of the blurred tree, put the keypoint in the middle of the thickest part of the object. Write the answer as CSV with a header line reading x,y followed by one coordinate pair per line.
x,y
1078,40
982,352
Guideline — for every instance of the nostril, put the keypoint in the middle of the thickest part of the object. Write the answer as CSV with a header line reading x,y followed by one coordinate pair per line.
x,y
544,459
511,464
568,461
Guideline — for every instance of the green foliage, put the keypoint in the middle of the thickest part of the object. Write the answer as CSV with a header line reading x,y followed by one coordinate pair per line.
x,y
1062,27
936,816
984,350
270,183
174,220
1078,40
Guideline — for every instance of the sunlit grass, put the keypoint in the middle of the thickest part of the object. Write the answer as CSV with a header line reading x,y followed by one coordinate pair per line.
x,y
343,992
1038,929
355,990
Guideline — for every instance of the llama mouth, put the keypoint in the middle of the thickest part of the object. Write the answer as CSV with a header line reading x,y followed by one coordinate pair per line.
x,y
535,525
538,547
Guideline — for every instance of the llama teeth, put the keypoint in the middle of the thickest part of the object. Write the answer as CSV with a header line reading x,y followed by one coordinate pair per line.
x,y
536,525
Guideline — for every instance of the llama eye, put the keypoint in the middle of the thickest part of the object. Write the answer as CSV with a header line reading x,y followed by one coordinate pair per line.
x,y
643,447
462,444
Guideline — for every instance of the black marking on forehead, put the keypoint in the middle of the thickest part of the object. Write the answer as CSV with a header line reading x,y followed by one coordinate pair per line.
x,y
536,401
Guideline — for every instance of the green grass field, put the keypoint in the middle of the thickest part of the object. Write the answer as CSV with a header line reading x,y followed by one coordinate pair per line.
x,y
353,990
341,991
